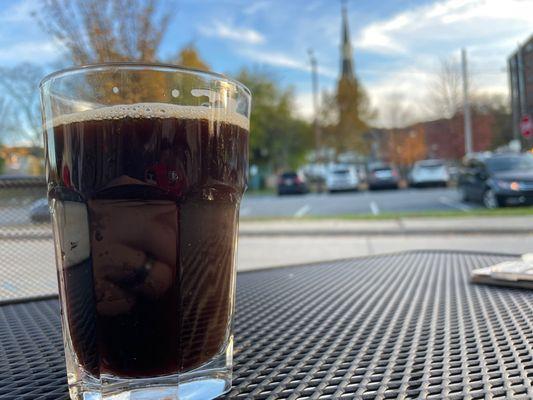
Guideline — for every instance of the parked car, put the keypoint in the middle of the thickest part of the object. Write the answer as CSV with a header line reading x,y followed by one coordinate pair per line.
x,y
290,182
341,178
382,176
429,173
39,211
498,180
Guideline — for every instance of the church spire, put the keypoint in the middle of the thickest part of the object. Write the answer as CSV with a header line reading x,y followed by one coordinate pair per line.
x,y
346,47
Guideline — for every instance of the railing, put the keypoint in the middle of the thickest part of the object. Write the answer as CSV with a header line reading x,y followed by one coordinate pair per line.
x,y
26,249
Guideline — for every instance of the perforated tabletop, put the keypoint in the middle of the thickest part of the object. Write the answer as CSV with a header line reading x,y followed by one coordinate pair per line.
x,y
408,325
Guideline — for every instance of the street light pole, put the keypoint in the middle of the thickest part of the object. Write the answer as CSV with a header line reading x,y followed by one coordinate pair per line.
x,y
314,79
466,105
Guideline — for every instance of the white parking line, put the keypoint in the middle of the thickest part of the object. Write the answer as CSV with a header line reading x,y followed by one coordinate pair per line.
x,y
302,211
374,208
454,204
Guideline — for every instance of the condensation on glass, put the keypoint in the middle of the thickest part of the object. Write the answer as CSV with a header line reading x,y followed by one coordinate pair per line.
x,y
146,167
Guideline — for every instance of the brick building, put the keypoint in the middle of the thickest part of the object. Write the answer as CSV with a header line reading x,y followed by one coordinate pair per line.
x,y
520,65
445,137
442,138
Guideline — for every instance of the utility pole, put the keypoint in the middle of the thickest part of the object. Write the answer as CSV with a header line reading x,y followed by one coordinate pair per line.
x,y
466,105
521,82
314,79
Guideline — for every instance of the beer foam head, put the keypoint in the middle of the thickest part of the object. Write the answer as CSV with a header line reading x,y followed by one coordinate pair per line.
x,y
155,110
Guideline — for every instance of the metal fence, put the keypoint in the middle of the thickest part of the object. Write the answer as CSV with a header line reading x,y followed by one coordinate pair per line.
x,y
27,265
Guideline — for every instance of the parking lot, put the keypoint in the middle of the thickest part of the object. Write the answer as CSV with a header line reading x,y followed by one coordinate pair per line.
x,y
317,204
363,202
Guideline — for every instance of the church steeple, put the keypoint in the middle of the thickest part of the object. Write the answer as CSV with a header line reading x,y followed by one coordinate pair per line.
x,y
346,47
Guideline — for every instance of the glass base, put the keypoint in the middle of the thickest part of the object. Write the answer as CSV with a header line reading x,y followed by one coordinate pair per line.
x,y
207,382
193,390
188,386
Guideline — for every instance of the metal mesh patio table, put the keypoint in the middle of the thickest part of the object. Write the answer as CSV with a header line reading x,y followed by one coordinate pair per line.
x,y
406,325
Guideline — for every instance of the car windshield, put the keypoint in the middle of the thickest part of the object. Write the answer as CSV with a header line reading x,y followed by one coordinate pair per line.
x,y
288,175
510,163
431,167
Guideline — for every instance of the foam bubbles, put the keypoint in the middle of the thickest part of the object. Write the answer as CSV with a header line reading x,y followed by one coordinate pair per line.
x,y
155,110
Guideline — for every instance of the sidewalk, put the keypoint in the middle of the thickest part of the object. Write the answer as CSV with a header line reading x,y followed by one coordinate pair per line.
x,y
509,225
402,226
274,251
278,243
285,242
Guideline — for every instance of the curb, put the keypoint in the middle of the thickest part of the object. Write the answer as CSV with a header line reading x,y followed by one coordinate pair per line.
x,y
393,232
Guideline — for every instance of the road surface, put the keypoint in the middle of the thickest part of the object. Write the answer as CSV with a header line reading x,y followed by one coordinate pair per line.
x,y
314,204
367,202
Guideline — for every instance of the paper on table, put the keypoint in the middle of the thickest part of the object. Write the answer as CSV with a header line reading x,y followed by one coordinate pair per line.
x,y
519,272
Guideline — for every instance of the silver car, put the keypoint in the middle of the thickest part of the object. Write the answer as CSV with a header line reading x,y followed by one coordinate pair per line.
x,y
342,178
429,173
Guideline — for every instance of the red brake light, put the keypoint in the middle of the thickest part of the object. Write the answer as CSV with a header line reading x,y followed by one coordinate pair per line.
x,y
394,173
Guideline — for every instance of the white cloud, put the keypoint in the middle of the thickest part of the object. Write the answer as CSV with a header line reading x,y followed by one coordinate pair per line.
x,y
283,60
32,51
304,105
226,31
452,22
256,7
413,84
379,37
19,12
410,83
415,39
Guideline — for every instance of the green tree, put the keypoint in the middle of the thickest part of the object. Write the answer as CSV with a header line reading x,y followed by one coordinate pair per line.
x,y
278,139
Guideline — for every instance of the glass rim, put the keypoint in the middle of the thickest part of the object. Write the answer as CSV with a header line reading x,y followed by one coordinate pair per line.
x,y
140,65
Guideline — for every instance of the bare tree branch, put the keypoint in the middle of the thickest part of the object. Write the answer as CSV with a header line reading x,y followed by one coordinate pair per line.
x,y
395,112
21,87
7,121
445,97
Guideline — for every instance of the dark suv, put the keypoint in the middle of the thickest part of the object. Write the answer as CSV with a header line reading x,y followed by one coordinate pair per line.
x,y
382,176
498,180
290,182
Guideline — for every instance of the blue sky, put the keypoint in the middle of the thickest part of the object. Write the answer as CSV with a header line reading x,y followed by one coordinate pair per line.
x,y
397,43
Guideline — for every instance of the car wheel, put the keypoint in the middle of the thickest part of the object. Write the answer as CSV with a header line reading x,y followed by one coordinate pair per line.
x,y
490,200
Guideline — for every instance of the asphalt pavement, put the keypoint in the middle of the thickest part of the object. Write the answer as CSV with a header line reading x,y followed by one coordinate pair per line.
x,y
316,204
362,202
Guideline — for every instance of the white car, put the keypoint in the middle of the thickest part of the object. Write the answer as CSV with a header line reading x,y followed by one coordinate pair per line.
x,y
429,173
341,178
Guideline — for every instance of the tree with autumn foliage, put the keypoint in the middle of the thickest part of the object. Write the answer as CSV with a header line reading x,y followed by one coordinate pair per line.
x,y
406,146
190,57
343,117
353,110
96,31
